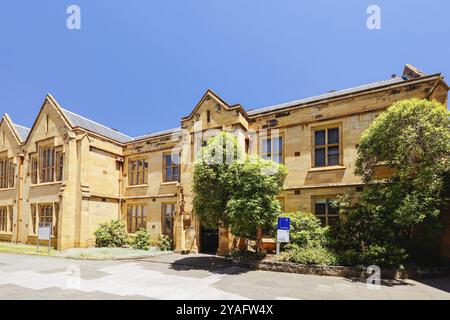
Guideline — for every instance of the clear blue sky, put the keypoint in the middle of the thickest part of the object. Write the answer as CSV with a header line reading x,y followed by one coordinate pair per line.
x,y
139,65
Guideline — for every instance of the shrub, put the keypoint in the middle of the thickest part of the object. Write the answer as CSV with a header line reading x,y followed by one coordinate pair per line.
x,y
306,230
163,243
111,234
383,256
308,255
141,240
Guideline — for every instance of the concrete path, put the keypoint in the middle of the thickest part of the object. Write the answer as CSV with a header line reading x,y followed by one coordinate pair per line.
x,y
186,277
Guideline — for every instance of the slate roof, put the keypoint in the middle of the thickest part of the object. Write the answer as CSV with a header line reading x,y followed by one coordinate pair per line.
x,y
160,133
21,131
82,122
327,95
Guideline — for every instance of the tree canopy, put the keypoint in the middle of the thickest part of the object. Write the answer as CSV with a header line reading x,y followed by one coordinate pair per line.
x,y
234,191
400,212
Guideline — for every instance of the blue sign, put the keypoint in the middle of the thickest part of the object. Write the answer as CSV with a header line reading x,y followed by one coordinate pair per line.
x,y
284,223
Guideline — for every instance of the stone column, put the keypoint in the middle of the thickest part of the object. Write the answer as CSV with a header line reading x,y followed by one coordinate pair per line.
x,y
68,195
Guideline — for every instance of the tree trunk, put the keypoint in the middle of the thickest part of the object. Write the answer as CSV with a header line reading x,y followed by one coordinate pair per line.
x,y
258,239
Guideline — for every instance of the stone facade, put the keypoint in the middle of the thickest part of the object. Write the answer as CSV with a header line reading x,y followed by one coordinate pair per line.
x,y
75,173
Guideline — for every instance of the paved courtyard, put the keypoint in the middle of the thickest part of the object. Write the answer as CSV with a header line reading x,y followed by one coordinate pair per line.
x,y
186,277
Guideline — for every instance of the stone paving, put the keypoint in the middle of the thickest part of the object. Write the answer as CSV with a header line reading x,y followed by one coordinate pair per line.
x,y
186,277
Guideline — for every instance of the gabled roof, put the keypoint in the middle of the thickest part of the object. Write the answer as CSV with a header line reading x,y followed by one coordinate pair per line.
x,y
19,131
212,94
79,121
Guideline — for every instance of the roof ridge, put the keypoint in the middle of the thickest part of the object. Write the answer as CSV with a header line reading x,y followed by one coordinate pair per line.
x,y
143,136
324,95
102,125
19,125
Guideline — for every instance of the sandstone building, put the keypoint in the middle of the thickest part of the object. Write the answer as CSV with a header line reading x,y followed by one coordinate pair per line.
x,y
75,173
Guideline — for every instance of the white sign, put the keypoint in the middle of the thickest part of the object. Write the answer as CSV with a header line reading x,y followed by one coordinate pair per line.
x,y
44,232
282,235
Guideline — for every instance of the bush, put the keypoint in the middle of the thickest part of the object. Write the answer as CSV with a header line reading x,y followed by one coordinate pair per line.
x,y
111,234
383,256
306,230
163,243
308,255
141,240
308,241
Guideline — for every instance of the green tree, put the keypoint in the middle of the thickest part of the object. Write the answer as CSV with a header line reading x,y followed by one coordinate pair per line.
x,y
231,191
411,139
213,179
253,204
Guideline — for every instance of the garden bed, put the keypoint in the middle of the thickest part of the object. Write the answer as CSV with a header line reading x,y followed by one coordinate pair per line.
x,y
339,271
111,253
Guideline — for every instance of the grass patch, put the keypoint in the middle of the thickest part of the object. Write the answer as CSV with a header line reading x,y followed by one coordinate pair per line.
x,y
7,247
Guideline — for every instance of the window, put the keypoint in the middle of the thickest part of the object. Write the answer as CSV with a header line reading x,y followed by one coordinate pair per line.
x,y
59,165
208,116
11,218
137,217
7,169
46,213
171,167
3,218
325,211
137,172
168,210
272,149
33,219
33,169
47,164
326,147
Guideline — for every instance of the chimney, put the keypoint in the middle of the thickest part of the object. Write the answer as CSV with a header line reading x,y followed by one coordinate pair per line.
x,y
411,72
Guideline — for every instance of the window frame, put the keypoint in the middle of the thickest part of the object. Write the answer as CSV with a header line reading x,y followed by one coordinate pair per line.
x,y
326,145
7,173
329,199
139,175
270,155
4,219
164,207
134,217
172,166
47,164
34,169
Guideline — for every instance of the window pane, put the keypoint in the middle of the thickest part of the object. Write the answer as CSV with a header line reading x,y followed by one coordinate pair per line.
x,y
175,173
333,135
168,160
319,138
319,157
331,209
169,173
333,156
320,207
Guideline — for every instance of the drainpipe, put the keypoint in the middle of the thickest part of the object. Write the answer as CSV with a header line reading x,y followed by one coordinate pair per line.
x,y
19,182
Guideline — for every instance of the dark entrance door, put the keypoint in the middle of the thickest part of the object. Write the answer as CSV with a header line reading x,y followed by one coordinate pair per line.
x,y
209,240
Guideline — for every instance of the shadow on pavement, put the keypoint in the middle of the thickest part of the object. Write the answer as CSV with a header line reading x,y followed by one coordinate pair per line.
x,y
213,264
441,283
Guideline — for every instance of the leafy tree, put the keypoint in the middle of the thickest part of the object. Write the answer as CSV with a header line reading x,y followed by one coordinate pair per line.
x,y
253,204
213,179
234,192
412,140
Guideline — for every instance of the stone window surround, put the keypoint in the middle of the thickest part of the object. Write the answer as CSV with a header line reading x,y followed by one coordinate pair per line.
x,y
325,127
